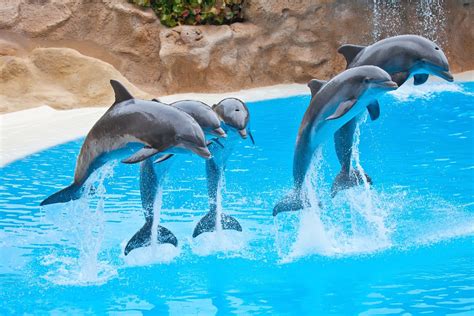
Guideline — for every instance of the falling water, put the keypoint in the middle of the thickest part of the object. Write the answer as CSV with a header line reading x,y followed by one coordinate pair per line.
x,y
432,20
392,17
386,18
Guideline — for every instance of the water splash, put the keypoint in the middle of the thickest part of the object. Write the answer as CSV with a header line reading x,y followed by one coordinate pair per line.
x,y
408,91
82,225
157,253
228,242
157,204
354,222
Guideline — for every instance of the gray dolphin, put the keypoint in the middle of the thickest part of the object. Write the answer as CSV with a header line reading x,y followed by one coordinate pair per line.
x,y
235,118
332,105
152,175
135,128
402,57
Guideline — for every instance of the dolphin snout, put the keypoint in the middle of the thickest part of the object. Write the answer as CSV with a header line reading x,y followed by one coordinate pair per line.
x,y
390,85
446,75
202,152
243,133
219,132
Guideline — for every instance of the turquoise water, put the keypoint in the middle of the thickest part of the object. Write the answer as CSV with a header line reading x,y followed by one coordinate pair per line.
x,y
405,246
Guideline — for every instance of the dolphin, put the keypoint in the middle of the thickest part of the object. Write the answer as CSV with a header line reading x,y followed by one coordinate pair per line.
x,y
153,173
332,105
235,118
135,128
401,57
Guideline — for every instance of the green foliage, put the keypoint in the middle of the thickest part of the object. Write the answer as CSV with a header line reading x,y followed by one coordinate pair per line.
x,y
194,12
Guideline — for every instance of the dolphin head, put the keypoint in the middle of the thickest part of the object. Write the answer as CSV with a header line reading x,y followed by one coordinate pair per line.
x,y
429,59
204,116
190,136
373,80
235,114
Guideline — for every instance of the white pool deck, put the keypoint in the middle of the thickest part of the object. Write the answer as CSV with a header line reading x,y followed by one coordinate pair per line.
x,y
29,131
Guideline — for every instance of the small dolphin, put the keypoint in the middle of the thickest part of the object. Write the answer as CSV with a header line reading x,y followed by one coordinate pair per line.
x,y
402,57
152,175
332,105
137,127
235,117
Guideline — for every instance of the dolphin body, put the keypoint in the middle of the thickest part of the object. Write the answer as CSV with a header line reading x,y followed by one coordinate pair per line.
x,y
135,128
235,118
333,104
401,57
152,175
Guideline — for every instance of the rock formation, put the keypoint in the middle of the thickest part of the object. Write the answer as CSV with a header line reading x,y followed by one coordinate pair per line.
x,y
281,41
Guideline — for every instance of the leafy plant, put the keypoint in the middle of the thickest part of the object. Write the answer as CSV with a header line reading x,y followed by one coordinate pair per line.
x,y
194,12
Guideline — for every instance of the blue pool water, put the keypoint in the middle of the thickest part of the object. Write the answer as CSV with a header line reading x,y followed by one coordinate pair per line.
x,y
403,247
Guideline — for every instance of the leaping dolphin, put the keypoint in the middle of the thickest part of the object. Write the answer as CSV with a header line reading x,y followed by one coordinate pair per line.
x,y
152,175
401,57
135,128
333,104
235,118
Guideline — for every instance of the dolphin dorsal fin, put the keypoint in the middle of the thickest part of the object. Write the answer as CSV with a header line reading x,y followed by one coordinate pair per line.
x,y
315,85
350,51
121,93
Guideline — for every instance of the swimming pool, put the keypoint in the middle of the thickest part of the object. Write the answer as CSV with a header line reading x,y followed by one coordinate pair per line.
x,y
405,246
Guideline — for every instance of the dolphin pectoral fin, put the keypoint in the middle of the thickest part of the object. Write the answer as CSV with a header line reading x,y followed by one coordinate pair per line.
x,y
345,180
218,142
251,137
163,158
315,85
342,109
72,192
142,154
350,52
291,202
420,79
121,93
208,223
374,110
143,237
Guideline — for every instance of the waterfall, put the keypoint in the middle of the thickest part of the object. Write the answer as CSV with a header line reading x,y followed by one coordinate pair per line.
x,y
422,17
432,20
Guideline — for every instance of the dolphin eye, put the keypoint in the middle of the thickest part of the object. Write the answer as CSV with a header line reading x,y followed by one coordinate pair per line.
x,y
366,80
237,110
437,48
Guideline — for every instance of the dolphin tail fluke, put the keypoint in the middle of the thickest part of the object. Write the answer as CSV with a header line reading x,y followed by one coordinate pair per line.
x,y
208,223
72,192
291,202
143,237
345,180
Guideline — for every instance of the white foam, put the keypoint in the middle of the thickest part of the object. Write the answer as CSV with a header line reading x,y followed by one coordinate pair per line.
x,y
155,254
229,242
427,91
